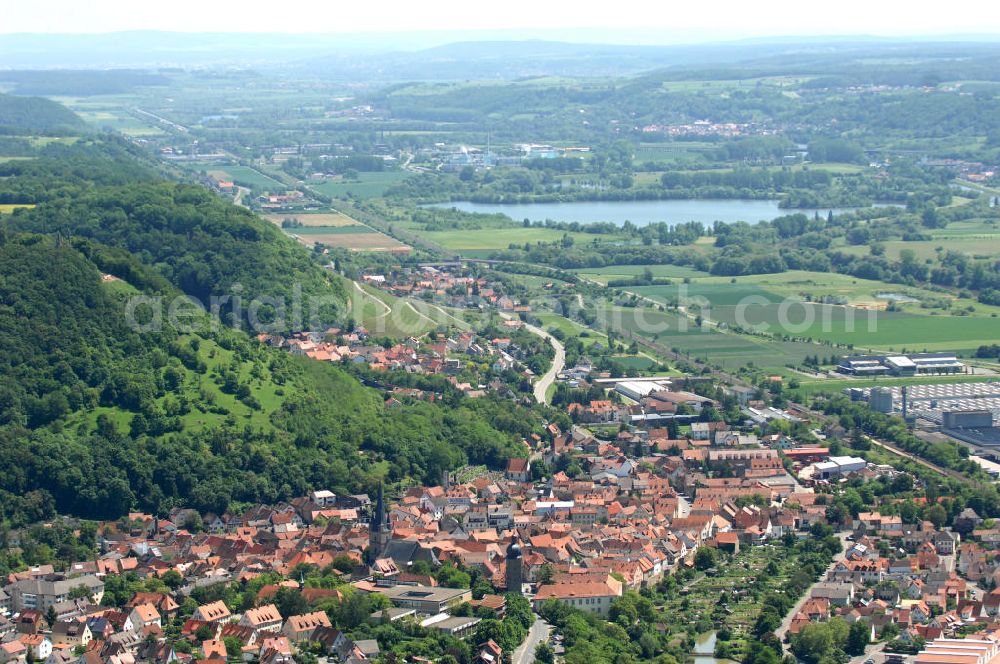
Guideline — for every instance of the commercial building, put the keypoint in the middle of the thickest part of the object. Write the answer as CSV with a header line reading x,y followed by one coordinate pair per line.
x,y
637,389
839,465
931,401
913,364
966,419
960,651
426,599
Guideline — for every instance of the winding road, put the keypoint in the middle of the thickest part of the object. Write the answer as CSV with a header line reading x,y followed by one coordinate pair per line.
x,y
558,362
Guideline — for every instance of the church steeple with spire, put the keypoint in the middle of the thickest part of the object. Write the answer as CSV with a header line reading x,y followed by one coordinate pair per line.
x,y
379,529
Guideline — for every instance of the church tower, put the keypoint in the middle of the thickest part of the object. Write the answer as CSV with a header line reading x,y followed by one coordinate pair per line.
x,y
514,567
379,529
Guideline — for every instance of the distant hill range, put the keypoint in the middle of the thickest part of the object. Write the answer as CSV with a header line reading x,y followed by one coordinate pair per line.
x,y
435,55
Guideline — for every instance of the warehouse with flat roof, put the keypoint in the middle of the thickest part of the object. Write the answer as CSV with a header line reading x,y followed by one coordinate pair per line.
x,y
910,364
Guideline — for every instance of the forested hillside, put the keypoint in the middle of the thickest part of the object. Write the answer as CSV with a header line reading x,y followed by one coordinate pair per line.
x,y
35,115
97,418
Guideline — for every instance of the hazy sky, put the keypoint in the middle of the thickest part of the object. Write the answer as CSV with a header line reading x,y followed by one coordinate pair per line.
x,y
721,19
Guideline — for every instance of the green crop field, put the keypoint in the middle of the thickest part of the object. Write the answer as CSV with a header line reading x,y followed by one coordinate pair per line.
x,y
885,330
487,240
566,326
715,294
727,350
249,177
368,185
121,121
610,272
805,285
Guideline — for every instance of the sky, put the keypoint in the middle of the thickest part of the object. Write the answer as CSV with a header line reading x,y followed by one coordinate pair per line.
x,y
655,19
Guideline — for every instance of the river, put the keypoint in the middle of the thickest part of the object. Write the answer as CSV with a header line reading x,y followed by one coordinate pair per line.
x,y
639,213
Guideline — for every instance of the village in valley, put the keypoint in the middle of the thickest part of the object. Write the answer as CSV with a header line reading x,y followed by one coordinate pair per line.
x,y
589,519
629,353
705,505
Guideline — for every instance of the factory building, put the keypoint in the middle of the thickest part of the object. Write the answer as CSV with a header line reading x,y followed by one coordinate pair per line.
x,y
881,400
839,465
914,364
967,419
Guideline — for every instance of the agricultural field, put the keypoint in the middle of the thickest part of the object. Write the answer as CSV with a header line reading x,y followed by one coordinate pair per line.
x,y
570,328
729,351
806,285
355,238
480,243
327,219
883,330
336,229
119,120
368,185
247,177
777,303
714,294
611,272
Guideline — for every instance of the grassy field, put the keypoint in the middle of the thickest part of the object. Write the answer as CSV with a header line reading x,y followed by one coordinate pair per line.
x,y
566,326
118,121
385,315
984,245
248,177
7,208
605,274
368,185
477,242
550,321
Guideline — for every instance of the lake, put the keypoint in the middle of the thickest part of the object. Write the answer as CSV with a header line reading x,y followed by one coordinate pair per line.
x,y
639,213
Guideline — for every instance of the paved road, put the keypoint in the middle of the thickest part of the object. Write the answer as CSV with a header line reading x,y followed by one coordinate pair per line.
x,y
683,507
558,362
874,651
787,620
525,654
